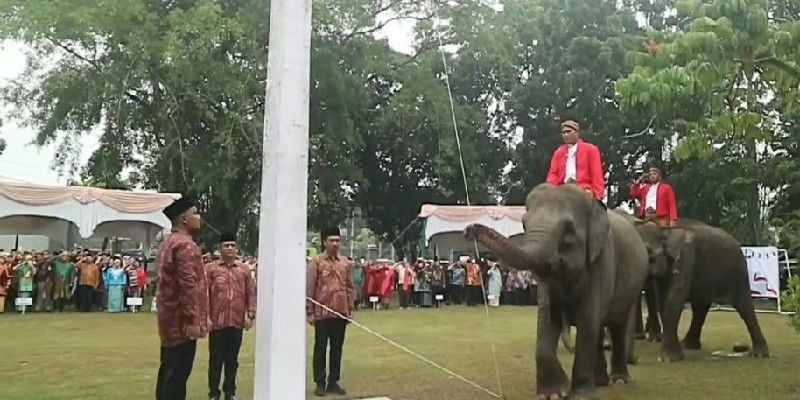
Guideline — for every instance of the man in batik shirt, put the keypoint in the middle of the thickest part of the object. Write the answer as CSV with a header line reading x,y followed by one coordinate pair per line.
x,y
329,282
182,299
231,308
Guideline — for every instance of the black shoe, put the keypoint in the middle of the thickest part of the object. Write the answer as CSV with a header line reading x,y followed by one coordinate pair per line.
x,y
231,397
320,391
213,397
334,388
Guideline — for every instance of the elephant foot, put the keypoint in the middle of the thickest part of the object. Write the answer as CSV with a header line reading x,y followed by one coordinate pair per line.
x,y
691,344
671,356
761,351
620,379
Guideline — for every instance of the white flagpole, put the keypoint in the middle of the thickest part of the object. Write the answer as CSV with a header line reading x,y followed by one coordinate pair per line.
x,y
280,372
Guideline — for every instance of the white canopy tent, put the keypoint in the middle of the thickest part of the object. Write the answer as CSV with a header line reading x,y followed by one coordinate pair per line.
x,y
444,226
67,214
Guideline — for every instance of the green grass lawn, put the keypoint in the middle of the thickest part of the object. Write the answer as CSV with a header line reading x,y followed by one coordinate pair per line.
x,y
102,356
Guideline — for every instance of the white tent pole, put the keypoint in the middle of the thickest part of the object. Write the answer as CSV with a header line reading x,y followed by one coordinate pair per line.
x,y
280,372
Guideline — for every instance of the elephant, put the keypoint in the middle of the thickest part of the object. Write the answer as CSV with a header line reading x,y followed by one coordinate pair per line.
x,y
655,284
590,264
701,264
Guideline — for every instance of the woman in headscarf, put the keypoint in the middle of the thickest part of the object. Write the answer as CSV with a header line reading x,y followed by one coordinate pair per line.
x,y
114,278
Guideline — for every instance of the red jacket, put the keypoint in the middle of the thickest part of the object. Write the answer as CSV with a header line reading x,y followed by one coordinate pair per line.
x,y
666,205
588,166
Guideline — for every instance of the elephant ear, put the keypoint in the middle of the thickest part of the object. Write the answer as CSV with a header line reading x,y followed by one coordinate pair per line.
x,y
675,240
599,230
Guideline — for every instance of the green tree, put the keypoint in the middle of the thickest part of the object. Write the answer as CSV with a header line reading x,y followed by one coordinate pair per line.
x,y
715,94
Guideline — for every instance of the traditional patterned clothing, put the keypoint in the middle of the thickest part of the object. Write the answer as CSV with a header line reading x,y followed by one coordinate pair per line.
x,y
44,277
182,306
584,161
231,299
5,284
329,281
89,282
231,294
64,273
182,290
474,284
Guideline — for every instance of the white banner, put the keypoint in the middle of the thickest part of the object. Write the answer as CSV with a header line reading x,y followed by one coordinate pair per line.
x,y
763,271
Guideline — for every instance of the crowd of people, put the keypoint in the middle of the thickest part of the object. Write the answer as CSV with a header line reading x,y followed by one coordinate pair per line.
x,y
81,280
431,283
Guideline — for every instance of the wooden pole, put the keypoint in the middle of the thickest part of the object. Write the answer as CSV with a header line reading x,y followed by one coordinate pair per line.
x,y
280,367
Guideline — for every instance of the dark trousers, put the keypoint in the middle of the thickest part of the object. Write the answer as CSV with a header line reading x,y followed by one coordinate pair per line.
x,y
325,330
176,366
474,295
85,298
405,296
223,348
457,294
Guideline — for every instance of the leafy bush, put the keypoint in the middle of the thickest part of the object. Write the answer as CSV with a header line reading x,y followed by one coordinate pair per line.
x,y
791,301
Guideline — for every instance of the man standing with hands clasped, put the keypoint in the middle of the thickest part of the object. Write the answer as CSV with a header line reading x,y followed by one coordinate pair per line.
x,y
182,299
329,282
232,308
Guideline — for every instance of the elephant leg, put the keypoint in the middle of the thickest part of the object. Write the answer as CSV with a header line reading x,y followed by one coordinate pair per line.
x,y
588,336
601,377
673,307
743,304
619,353
630,340
551,381
654,312
699,312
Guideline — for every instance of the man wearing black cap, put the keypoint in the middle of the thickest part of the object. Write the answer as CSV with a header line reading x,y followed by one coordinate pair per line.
x,y
330,283
182,299
231,308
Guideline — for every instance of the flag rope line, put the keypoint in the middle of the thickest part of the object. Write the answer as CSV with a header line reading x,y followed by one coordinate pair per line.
x,y
406,350
466,186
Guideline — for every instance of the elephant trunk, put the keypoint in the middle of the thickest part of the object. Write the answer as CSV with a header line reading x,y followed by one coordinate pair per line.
x,y
536,253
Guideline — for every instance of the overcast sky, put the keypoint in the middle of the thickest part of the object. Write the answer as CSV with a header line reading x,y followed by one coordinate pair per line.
x,y
23,161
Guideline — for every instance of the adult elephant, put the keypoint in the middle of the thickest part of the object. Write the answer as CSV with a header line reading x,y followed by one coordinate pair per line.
x,y
699,264
657,281
590,265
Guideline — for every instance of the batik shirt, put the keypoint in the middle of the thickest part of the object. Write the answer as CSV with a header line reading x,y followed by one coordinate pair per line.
x,y
182,290
231,294
330,282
